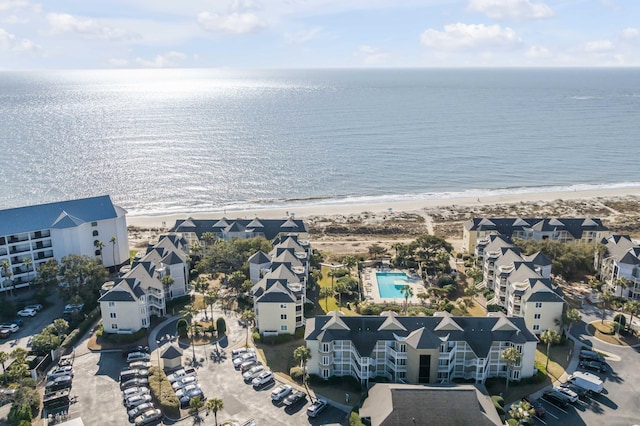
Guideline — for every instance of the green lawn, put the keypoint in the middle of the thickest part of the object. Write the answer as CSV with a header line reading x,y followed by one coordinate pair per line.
x,y
330,303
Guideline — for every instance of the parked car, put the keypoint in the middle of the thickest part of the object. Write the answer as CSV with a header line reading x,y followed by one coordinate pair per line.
x,y
187,389
556,398
596,366
183,372
16,321
136,400
248,365
148,417
262,379
241,351
316,408
573,397
11,327
186,395
536,405
295,398
280,392
72,307
243,358
36,307
139,390
577,389
135,348
58,383
133,374
136,411
138,356
67,370
586,355
4,334
252,373
131,383
183,382
27,313
138,364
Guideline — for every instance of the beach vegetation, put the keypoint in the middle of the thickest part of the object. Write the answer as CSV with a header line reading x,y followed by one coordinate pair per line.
x,y
163,393
82,278
569,260
231,256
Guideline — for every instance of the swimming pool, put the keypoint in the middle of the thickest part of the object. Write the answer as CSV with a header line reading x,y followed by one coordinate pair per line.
x,y
387,284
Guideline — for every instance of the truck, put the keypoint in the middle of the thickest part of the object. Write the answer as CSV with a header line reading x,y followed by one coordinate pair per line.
x,y
587,381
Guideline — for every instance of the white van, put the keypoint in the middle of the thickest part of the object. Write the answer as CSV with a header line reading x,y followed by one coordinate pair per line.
x,y
587,381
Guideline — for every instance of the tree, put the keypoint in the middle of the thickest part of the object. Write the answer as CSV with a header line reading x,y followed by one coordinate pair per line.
x,y
6,266
340,288
4,357
474,273
376,251
522,412
571,317
215,405
48,273
442,258
236,279
606,297
195,404
188,312
113,241
221,326
82,277
27,263
99,245
167,281
623,283
407,292
326,293
247,317
209,299
208,238
633,308
60,326
301,355
512,358
549,337
426,247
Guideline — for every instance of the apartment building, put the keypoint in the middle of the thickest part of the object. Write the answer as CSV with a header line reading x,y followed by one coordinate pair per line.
x,y
521,284
32,235
280,278
418,350
558,229
620,259
128,302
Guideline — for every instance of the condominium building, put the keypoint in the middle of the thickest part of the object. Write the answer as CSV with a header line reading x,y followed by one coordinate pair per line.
x,y
416,350
128,302
620,259
557,229
32,235
281,284
521,284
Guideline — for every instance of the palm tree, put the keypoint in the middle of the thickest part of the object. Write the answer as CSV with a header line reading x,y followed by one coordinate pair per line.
x,y
340,288
113,251
4,357
633,307
8,273
549,337
247,317
215,405
606,299
571,317
99,246
195,404
28,262
326,293
623,283
188,312
522,412
512,357
208,238
407,292
209,299
301,355
167,281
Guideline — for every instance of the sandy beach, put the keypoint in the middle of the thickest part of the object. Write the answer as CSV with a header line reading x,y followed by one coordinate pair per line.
x,y
341,229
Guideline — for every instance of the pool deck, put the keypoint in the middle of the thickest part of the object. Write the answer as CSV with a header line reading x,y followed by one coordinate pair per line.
x,y
372,293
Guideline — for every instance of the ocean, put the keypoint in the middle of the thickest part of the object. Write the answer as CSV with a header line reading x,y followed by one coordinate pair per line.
x,y
180,141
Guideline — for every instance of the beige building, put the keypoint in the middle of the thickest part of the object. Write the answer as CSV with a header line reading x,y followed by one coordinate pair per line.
x,y
620,259
558,229
417,350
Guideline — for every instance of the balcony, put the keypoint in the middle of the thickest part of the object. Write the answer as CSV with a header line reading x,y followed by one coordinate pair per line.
x,y
325,360
17,239
22,248
41,245
40,234
44,255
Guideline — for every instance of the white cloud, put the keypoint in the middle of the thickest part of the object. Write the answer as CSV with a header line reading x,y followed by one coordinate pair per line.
x,y
599,46
462,36
13,19
169,59
303,36
631,34
538,52
18,4
63,23
233,23
8,42
371,55
518,10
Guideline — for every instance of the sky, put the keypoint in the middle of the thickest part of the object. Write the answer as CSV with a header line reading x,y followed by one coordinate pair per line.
x,y
90,34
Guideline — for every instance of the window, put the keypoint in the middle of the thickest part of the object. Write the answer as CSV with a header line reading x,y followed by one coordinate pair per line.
x,y
283,328
536,316
112,315
325,373
536,327
402,347
144,322
516,374
325,360
95,233
325,347
402,361
112,304
401,374
283,306
97,253
94,223
538,304
283,316
114,326
519,348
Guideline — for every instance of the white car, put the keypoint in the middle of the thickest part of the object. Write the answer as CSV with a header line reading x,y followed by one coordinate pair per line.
x,y
187,390
139,390
138,356
252,373
36,307
11,327
27,312
280,392
316,408
241,351
183,372
262,379
60,371
135,400
138,364
187,380
136,411
242,358
573,397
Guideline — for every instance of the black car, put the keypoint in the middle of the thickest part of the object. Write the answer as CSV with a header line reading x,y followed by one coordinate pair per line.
x,y
586,355
556,398
599,367
295,398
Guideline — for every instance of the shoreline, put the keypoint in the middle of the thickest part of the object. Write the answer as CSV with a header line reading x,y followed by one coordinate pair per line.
x,y
323,210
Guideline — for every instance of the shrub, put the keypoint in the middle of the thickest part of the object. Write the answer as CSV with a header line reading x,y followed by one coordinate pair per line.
x,y
299,333
182,327
620,319
19,413
354,419
256,336
221,326
497,400
296,373
445,280
7,309
494,308
167,400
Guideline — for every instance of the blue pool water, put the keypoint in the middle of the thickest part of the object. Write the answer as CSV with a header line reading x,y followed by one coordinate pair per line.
x,y
386,286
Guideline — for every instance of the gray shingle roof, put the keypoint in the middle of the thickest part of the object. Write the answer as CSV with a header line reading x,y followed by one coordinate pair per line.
x,y
44,216
171,352
506,226
271,227
259,258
